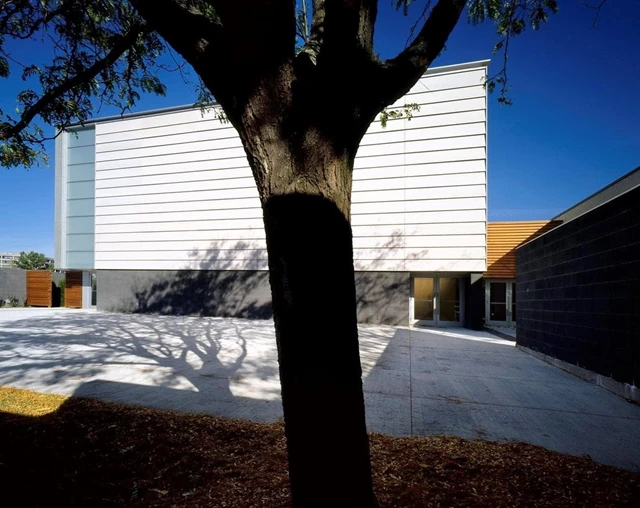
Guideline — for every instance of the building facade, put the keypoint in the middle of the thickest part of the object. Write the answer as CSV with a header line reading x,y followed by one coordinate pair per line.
x,y
503,238
579,289
7,259
163,208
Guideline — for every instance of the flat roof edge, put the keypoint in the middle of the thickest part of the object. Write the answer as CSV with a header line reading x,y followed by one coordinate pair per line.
x,y
186,107
591,196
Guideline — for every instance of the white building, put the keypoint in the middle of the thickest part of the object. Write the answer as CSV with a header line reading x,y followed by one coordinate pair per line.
x,y
163,207
7,259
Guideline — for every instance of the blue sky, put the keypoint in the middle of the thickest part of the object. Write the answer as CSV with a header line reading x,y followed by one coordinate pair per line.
x,y
573,128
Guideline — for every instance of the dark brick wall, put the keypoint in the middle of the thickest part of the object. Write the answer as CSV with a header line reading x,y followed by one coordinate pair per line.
x,y
382,297
578,291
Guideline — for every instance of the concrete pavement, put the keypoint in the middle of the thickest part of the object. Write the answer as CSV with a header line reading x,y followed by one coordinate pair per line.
x,y
417,381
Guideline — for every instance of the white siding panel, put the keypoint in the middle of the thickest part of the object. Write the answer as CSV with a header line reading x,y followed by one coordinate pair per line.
x,y
380,265
169,119
417,206
144,227
423,145
226,171
179,197
419,182
200,205
173,246
121,189
456,79
110,133
184,264
198,215
235,235
426,242
405,231
174,190
183,255
446,265
445,204
193,133
217,149
171,153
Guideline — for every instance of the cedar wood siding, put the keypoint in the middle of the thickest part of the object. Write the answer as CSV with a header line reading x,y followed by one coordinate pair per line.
x,y
502,240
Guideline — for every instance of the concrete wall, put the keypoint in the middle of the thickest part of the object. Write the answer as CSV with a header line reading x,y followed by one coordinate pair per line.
x,y
185,292
13,282
578,291
382,297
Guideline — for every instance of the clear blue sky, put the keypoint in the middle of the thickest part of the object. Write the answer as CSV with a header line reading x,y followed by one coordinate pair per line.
x,y
574,126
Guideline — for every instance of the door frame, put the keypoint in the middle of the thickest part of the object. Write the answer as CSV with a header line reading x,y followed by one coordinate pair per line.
x,y
436,322
509,322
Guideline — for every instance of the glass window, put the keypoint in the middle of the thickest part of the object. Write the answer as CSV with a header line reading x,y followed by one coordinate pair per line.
x,y
423,293
449,299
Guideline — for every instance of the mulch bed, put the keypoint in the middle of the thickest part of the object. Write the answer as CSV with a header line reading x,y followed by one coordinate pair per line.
x,y
90,453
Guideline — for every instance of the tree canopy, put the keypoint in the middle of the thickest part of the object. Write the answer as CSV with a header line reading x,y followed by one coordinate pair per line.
x,y
105,53
33,261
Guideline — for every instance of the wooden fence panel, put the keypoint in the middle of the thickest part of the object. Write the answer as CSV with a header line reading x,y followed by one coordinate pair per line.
x,y
39,290
73,290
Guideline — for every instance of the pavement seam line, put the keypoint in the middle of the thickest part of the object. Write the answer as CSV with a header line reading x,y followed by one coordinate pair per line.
x,y
410,386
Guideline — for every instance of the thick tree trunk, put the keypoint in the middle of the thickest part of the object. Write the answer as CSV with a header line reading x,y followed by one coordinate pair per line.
x,y
312,282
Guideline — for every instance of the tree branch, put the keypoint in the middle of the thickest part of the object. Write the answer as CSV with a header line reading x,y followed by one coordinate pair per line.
x,y
187,29
403,70
119,48
342,28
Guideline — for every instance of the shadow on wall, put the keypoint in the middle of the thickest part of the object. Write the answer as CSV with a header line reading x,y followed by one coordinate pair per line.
x,y
382,296
215,287
202,291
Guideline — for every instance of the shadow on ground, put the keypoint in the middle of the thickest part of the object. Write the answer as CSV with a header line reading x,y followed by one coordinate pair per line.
x,y
176,363
91,453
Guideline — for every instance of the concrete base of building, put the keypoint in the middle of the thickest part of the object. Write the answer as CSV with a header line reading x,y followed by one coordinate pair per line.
x,y
624,390
382,297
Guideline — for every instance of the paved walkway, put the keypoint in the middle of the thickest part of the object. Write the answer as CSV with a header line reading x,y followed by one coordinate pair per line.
x,y
417,381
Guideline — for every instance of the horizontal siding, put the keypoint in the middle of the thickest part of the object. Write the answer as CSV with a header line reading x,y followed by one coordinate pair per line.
x,y
175,191
502,240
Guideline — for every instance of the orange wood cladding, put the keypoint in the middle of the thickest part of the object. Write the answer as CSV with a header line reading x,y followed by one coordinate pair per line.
x,y
39,292
502,240
73,290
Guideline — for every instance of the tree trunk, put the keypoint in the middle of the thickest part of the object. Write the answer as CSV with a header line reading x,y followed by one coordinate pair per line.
x,y
309,242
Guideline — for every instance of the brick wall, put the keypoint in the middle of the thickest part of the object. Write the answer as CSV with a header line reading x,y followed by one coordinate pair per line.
x,y
578,291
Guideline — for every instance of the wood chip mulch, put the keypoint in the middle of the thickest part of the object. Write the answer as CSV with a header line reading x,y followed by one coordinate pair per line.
x,y
90,453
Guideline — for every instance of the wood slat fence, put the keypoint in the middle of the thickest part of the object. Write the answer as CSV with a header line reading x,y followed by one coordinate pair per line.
x,y
39,288
73,290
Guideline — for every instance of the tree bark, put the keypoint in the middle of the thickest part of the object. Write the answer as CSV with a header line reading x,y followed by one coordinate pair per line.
x,y
309,240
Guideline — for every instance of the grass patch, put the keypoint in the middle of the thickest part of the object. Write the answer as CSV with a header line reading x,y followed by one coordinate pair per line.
x,y
91,453
27,403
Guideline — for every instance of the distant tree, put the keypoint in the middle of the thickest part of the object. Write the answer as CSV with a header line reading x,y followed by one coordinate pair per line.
x,y
301,88
33,261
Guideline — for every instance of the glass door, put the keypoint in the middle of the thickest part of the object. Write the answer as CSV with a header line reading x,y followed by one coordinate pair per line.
x,y
437,301
501,303
424,299
449,300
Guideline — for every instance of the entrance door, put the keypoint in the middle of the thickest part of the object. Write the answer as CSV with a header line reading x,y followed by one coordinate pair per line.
x,y
437,301
501,303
